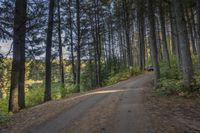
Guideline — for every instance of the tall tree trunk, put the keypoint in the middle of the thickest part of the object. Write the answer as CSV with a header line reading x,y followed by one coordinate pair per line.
x,y
141,34
47,94
175,38
16,99
78,69
158,38
187,67
60,47
190,31
164,39
127,31
198,31
71,42
154,50
98,44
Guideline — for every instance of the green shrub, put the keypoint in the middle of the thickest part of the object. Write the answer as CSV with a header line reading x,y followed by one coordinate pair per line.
x,y
172,73
71,88
4,115
196,86
63,91
168,87
68,89
34,96
122,75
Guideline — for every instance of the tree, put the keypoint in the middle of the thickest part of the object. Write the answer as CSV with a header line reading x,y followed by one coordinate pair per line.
x,y
187,67
60,46
126,11
141,33
71,41
175,38
78,48
152,33
16,100
47,94
164,39
198,33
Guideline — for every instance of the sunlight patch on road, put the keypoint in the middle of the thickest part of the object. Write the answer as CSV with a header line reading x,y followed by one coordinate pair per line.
x,y
99,92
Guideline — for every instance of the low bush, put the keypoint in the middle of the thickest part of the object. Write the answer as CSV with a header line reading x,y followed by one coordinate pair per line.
x,y
35,96
68,89
168,87
171,82
122,75
4,115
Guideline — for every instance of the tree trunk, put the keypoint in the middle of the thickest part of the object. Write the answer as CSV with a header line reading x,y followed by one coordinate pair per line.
x,y
78,66
190,32
163,30
198,31
175,39
141,34
158,40
16,99
71,43
187,67
98,43
127,32
47,94
154,50
60,47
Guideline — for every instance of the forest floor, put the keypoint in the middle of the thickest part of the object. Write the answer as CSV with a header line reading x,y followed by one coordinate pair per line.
x,y
126,107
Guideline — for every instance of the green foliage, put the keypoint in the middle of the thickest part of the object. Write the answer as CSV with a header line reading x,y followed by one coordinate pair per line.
x,y
168,87
35,95
172,73
5,67
4,115
122,75
171,81
68,89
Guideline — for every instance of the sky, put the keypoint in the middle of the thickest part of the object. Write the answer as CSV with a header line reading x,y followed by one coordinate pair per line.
x,y
5,46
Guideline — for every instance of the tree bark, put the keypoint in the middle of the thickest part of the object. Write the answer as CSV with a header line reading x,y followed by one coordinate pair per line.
x,y
163,31
78,65
60,47
190,29
16,99
187,66
127,31
71,42
198,31
154,50
141,34
47,94
175,38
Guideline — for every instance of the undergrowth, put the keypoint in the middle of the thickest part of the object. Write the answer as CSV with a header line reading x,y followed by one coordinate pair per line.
x,y
122,75
171,83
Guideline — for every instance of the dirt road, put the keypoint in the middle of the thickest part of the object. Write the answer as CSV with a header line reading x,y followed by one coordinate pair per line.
x,y
115,109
